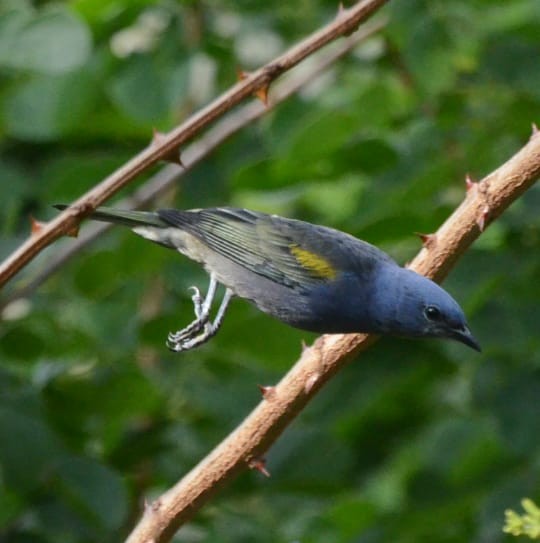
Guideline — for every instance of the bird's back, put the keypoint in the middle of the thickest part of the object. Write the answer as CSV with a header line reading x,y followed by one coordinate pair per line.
x,y
308,276
285,266
287,251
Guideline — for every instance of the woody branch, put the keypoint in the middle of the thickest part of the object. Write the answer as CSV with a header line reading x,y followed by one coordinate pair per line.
x,y
166,146
246,445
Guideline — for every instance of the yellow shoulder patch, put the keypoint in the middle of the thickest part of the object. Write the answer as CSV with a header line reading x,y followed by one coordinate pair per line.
x,y
314,263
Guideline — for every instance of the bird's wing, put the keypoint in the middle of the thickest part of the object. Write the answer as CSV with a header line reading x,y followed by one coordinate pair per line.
x,y
267,245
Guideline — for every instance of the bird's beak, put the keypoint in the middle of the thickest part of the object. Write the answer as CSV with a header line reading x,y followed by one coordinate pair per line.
x,y
464,336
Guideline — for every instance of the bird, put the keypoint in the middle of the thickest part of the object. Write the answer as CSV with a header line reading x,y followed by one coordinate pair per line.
x,y
308,276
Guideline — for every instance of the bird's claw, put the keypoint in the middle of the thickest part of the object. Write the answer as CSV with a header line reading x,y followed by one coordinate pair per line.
x,y
179,342
201,329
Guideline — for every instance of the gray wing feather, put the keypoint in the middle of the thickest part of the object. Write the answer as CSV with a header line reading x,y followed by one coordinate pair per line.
x,y
260,243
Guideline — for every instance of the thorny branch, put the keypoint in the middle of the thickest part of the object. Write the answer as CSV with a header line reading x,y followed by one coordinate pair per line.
x,y
246,445
194,153
165,146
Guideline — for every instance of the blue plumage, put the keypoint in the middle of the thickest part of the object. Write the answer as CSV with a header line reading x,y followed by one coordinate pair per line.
x,y
308,276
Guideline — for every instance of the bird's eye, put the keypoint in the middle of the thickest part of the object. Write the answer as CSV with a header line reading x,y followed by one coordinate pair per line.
x,y
432,313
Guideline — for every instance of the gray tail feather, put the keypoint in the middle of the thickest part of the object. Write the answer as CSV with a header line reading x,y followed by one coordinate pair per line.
x,y
131,219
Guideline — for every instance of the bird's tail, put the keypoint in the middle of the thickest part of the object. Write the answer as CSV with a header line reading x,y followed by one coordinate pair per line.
x,y
132,219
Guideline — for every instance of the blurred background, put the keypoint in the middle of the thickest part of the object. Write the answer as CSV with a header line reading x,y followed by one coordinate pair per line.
x,y
415,440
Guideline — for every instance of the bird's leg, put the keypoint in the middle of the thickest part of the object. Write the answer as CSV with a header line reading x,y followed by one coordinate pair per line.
x,y
197,302
202,312
210,329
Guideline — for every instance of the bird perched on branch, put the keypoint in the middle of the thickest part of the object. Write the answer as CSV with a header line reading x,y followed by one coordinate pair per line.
x,y
308,276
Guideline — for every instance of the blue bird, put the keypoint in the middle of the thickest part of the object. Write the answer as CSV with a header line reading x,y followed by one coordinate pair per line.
x,y
308,276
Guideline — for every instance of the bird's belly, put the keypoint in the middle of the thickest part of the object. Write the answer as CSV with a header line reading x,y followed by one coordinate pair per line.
x,y
325,312
325,308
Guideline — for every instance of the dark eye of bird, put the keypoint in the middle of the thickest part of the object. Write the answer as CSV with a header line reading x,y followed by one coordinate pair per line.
x,y
432,313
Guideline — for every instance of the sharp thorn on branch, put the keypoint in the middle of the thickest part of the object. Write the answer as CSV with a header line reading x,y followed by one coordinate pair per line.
x,y
470,183
268,392
428,240
260,465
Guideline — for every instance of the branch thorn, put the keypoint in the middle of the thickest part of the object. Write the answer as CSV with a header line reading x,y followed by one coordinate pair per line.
x,y
481,219
268,392
241,74
310,382
35,226
260,465
470,183
173,156
157,137
535,131
427,239
73,232
261,93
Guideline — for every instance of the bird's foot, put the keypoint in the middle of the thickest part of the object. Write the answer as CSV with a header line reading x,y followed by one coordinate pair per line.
x,y
202,314
199,331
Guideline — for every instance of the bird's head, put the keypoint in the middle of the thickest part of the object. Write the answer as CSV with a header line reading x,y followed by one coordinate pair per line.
x,y
409,304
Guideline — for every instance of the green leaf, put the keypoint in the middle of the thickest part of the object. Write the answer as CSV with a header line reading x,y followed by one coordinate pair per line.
x,y
21,342
138,91
28,449
94,488
51,41
45,108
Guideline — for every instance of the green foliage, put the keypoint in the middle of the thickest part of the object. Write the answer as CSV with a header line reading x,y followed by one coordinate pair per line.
x,y
527,524
414,441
